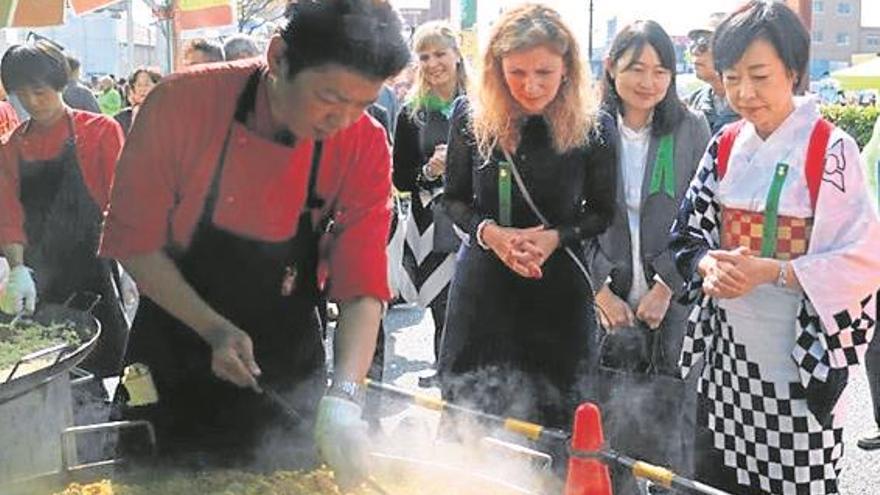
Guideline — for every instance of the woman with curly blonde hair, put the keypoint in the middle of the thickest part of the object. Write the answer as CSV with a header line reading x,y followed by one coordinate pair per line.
x,y
530,178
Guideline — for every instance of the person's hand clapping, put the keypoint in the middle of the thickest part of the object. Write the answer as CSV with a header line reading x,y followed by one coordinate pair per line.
x,y
735,273
538,243
511,247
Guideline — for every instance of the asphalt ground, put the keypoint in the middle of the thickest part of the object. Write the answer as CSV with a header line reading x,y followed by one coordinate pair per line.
x,y
409,355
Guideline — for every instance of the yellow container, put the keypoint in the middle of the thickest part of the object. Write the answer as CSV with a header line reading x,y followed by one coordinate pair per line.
x,y
138,380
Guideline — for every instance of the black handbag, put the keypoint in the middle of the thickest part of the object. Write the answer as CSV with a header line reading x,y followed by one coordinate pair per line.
x,y
641,407
446,240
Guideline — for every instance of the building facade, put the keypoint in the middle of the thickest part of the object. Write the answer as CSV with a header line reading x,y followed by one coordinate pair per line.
x,y
838,34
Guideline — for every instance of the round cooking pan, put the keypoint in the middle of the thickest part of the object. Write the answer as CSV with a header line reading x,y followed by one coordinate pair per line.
x,y
87,327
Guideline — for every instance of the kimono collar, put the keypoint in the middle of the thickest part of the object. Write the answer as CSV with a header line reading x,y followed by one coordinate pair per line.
x,y
805,114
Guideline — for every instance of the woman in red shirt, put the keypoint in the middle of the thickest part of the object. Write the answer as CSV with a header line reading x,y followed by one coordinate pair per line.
x,y
55,176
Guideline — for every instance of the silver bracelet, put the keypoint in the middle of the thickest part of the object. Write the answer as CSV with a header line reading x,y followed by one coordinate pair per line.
x,y
479,233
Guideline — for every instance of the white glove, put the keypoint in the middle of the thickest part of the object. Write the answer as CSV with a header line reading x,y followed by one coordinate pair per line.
x,y
341,436
20,293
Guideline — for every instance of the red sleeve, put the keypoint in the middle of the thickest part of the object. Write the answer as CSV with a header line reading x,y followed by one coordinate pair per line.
x,y
110,142
144,188
11,213
358,261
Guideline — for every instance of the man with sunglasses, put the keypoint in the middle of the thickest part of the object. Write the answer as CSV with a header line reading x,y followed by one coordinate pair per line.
x,y
709,99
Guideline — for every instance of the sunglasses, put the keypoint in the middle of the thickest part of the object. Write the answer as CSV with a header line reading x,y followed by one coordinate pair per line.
x,y
700,45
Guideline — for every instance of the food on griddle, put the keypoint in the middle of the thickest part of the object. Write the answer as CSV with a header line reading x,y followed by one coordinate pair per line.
x,y
317,482
23,338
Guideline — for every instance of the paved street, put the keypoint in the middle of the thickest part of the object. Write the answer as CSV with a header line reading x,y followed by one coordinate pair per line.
x,y
409,355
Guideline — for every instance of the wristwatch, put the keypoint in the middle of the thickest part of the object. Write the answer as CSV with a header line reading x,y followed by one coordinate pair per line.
x,y
781,277
349,390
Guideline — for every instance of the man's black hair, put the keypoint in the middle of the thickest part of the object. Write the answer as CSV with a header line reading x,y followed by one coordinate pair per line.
x,y
34,64
773,22
364,36
670,111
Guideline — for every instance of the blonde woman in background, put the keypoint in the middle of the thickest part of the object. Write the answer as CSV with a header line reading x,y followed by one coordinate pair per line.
x,y
520,325
420,163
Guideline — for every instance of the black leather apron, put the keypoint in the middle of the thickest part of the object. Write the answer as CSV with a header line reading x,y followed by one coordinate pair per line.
x,y
267,289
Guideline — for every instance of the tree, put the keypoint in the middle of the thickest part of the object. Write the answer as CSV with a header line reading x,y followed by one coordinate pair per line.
x,y
254,14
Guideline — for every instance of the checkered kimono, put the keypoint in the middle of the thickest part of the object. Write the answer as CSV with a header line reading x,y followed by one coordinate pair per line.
x,y
782,436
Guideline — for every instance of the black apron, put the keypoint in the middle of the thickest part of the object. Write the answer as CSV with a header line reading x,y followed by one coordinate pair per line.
x,y
63,227
267,289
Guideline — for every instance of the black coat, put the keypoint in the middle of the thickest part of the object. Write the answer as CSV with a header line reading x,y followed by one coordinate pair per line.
x,y
517,346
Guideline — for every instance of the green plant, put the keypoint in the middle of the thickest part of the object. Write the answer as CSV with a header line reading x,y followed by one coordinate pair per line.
x,y
858,122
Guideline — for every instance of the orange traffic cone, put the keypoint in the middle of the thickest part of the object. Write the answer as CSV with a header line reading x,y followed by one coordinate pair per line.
x,y
587,476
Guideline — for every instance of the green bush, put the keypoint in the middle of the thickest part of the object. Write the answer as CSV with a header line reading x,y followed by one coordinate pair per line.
x,y
858,122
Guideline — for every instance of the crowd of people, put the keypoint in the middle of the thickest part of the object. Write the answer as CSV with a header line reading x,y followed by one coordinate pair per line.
x,y
572,236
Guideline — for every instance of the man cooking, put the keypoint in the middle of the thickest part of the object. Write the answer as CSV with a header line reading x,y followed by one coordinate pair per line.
x,y
230,176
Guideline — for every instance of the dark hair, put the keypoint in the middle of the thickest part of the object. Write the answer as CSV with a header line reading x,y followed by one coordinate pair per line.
x,y
671,110
360,35
210,48
153,72
769,21
34,64
73,63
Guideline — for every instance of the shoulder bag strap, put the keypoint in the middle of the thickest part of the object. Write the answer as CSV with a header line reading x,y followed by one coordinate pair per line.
x,y
529,201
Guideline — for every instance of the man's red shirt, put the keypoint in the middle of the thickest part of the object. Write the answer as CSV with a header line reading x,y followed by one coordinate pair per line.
x,y
173,151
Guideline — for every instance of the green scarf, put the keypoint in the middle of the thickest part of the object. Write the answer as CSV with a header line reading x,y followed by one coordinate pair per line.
x,y
433,103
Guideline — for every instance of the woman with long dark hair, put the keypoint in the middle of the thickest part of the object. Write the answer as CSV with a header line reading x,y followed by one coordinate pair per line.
x,y
659,143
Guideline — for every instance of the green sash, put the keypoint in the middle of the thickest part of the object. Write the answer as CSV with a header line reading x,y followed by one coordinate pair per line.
x,y
663,177
504,194
771,212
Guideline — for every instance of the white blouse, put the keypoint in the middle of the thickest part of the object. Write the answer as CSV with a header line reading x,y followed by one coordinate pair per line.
x,y
633,157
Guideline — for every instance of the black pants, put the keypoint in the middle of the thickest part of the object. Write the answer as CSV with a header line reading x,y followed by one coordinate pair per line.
x,y
872,369
438,311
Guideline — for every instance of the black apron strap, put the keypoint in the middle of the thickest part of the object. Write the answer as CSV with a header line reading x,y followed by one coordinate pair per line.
x,y
243,107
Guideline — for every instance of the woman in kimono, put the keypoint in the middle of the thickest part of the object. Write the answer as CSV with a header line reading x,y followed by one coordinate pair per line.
x,y
420,162
659,144
521,325
777,240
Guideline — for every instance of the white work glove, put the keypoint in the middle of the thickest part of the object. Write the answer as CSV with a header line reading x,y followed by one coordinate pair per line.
x,y
20,293
341,436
